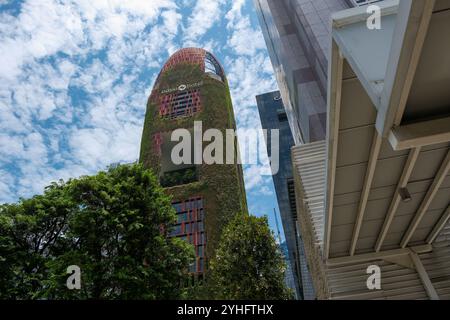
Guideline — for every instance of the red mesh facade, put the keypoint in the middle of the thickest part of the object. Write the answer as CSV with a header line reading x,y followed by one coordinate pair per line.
x,y
186,55
190,227
180,104
184,102
157,143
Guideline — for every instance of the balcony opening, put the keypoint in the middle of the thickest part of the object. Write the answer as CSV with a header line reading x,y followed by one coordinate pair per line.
x,y
179,177
213,68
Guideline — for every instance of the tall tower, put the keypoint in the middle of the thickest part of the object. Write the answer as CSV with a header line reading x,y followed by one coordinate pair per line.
x,y
273,116
192,89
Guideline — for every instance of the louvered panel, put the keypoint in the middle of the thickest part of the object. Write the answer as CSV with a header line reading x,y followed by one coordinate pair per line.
x,y
397,282
310,165
444,236
348,282
388,278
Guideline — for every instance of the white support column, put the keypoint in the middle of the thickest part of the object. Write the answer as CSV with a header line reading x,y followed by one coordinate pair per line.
x,y
336,67
412,25
420,134
432,191
439,226
409,166
371,166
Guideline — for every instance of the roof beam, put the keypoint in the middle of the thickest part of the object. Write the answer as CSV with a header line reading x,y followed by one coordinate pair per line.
x,y
336,67
427,284
409,37
439,226
357,14
355,41
431,193
407,170
382,255
420,134
370,172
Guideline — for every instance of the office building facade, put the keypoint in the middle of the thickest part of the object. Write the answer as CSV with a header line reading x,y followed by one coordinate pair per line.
x,y
297,34
191,93
273,116
297,37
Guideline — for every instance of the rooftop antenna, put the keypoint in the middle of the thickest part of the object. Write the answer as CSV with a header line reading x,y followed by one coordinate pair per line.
x,y
278,226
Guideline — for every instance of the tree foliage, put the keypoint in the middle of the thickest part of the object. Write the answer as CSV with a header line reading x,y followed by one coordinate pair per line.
x,y
113,225
248,263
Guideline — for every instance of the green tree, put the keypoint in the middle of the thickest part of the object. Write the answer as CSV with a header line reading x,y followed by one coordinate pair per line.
x,y
248,263
113,225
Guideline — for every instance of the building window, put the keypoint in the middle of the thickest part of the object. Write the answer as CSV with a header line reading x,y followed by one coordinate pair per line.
x,y
200,250
200,265
359,3
209,67
190,227
282,116
291,195
180,104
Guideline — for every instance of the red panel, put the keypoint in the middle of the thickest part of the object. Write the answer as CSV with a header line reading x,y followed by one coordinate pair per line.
x,y
186,55
190,227
180,104
157,142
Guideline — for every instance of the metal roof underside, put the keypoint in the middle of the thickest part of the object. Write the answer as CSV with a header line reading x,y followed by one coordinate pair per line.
x,y
389,109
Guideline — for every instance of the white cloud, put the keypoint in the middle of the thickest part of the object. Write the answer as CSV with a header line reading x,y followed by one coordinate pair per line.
x,y
6,181
72,97
74,85
235,12
249,73
204,15
265,191
254,180
244,38
31,37
171,20
10,147
97,148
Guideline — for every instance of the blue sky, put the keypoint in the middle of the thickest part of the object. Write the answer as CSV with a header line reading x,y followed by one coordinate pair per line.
x,y
75,77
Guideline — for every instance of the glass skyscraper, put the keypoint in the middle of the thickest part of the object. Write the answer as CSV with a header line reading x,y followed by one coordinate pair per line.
x,y
273,116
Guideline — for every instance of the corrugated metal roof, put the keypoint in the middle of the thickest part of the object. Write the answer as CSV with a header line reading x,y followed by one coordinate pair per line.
x,y
397,282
